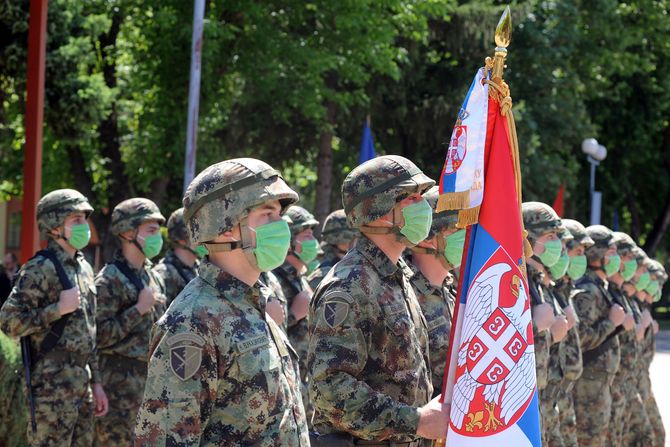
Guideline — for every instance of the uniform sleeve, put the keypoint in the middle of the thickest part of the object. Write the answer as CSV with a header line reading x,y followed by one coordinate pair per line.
x,y
337,356
112,323
593,330
25,311
180,388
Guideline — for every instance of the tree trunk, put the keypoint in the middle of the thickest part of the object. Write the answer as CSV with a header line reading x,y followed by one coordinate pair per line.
x,y
634,210
324,167
158,193
661,225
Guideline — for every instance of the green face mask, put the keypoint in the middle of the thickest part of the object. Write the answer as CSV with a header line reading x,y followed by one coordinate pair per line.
x,y
552,252
80,235
453,249
313,266
152,245
418,219
272,243
310,248
629,268
613,265
201,251
558,270
652,288
642,282
577,267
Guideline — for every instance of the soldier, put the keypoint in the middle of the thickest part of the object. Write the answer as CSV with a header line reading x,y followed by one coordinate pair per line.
x,y
435,288
599,317
221,371
338,238
59,324
179,265
543,226
130,300
368,352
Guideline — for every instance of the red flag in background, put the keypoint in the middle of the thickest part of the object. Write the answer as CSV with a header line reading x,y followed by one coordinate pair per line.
x,y
558,201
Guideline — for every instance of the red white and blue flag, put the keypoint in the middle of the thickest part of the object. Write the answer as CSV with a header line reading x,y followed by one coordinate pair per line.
x,y
491,380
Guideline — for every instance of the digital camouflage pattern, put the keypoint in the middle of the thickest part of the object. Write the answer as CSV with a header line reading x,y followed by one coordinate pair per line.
x,y
222,195
131,213
647,350
174,274
368,353
336,229
299,219
274,292
555,377
394,176
61,380
176,227
221,371
123,344
54,207
331,256
437,305
592,394
539,219
602,238
578,232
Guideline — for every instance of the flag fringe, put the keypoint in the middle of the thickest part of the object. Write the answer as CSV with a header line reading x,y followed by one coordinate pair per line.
x,y
453,201
468,217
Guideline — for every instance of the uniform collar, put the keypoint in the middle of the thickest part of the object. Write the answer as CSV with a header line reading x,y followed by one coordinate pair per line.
x,y
62,255
230,287
172,258
377,257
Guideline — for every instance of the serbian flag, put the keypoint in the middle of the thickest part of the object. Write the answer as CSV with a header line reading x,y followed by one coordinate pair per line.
x,y
462,178
491,380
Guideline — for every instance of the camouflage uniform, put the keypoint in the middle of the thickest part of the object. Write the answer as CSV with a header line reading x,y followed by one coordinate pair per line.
x,y
335,231
123,333
172,271
221,371
600,347
61,379
368,351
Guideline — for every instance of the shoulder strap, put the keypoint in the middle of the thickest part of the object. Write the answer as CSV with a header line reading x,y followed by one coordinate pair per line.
x,y
60,271
128,273
535,293
182,273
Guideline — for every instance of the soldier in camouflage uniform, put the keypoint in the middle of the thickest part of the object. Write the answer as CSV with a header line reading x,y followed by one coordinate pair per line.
x,y
66,383
543,226
130,300
368,352
180,263
571,359
221,371
599,318
337,239
435,288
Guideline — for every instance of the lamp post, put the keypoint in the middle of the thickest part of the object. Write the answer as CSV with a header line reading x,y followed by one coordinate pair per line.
x,y
595,153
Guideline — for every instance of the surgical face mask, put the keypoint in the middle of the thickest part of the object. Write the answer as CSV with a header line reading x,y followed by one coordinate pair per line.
x,y
577,267
152,245
201,251
560,267
418,219
629,268
453,248
613,264
552,252
642,282
652,288
80,235
310,249
272,243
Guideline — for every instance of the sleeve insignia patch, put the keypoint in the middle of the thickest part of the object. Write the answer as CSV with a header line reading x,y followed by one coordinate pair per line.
x,y
185,354
335,312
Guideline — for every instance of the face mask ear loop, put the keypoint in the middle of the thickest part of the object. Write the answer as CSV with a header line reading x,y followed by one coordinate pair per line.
x,y
135,242
397,218
439,253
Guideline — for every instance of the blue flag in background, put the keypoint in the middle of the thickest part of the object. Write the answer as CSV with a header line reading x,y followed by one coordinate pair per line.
x,y
367,145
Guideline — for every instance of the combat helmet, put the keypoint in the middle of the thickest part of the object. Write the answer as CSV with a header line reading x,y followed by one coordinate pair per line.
x,y
54,207
603,239
444,220
131,213
336,229
539,219
624,243
299,219
579,236
176,227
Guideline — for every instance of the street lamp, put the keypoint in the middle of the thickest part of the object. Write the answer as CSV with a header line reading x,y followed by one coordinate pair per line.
x,y
595,154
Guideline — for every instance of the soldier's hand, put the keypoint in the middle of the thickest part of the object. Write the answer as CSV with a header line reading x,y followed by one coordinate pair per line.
x,y
275,309
617,314
69,301
146,300
646,318
629,322
543,316
433,420
559,329
639,332
654,324
571,315
100,399
300,305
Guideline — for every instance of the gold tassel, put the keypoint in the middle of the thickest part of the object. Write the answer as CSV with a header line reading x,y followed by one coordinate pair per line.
x,y
468,217
453,201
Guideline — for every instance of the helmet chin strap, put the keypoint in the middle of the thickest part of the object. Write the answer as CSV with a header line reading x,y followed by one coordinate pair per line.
x,y
437,252
393,229
244,243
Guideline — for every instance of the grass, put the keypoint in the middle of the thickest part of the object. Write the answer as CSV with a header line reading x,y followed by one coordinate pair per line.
x,y
13,413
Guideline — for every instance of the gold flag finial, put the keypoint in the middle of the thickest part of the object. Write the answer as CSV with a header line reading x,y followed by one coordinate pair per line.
x,y
503,37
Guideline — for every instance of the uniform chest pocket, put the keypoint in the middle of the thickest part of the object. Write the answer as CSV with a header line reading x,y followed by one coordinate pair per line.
x,y
256,355
397,318
259,377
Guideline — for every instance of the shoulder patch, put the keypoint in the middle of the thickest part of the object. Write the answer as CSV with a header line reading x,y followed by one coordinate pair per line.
x,y
335,312
185,354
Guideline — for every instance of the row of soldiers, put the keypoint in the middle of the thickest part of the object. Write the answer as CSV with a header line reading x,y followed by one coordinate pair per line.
x,y
247,347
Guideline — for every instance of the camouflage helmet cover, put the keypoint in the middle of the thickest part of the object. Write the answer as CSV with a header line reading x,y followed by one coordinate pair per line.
x,y
372,189
602,238
539,219
176,226
624,243
54,207
224,193
299,219
336,229
131,213
578,232
445,220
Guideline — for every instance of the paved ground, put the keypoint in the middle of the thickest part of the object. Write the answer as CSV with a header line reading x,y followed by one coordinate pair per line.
x,y
660,371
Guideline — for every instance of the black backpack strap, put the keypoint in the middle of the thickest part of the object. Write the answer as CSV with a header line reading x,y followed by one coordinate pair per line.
x,y
128,273
182,273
